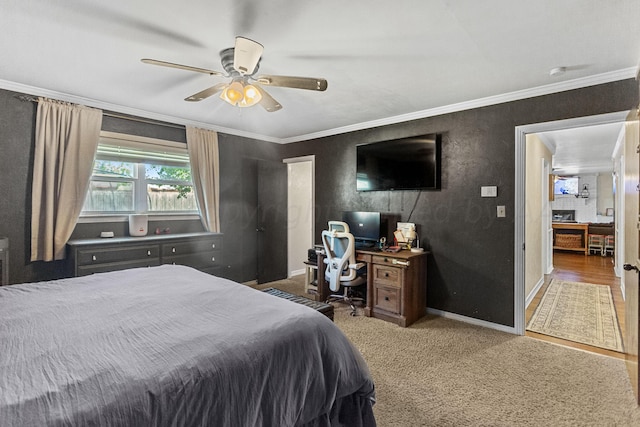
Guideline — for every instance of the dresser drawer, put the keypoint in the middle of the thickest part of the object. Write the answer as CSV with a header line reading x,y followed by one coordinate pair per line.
x,y
189,247
387,299
93,256
101,268
385,275
199,260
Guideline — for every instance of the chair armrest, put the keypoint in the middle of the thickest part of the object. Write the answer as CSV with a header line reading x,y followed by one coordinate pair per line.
x,y
357,265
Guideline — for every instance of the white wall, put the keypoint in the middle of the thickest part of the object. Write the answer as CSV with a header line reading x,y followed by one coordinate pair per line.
x,y
591,209
300,214
535,266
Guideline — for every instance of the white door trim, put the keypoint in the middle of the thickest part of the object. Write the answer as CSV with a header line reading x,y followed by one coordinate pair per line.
x,y
519,202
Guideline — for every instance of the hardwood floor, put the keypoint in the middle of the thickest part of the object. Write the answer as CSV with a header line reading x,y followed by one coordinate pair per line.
x,y
580,268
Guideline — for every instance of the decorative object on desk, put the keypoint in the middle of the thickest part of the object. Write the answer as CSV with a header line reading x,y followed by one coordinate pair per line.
x,y
609,212
580,312
138,224
407,234
382,243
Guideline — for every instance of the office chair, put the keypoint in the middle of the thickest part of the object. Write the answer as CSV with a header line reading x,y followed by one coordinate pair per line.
x,y
342,269
339,226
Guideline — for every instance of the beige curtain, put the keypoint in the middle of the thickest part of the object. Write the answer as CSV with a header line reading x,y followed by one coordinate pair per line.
x,y
66,141
202,145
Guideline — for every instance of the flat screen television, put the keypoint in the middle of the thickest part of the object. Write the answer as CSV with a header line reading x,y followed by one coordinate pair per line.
x,y
566,185
411,163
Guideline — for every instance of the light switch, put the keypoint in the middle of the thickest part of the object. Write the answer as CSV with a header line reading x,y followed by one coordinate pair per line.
x,y
489,191
501,211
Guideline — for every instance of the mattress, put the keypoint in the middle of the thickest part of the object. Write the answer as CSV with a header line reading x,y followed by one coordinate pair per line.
x,y
170,345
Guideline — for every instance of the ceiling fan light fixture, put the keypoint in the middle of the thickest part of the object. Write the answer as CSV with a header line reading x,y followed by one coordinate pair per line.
x,y
234,93
251,96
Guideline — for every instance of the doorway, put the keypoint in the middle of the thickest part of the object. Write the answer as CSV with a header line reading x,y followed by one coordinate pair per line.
x,y
520,256
300,212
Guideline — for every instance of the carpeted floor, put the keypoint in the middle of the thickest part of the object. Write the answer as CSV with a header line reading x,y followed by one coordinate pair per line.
x,y
580,312
441,372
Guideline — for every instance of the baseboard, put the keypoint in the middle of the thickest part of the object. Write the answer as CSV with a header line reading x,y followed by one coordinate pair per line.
x,y
296,272
471,320
533,293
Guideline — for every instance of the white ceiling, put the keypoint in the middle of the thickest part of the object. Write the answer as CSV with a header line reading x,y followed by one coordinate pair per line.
x,y
583,150
385,61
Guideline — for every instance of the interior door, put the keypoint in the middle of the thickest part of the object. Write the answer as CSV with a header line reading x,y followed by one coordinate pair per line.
x,y
272,221
631,249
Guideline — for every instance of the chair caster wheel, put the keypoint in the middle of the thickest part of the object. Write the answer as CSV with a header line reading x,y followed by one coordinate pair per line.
x,y
353,314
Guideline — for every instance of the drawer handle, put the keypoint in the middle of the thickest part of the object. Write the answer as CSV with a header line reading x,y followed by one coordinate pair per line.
x,y
148,253
213,245
93,258
386,274
213,259
386,298
173,250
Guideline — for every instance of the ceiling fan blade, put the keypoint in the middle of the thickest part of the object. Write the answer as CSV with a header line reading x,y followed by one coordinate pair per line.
x,y
309,83
267,102
182,67
246,55
206,93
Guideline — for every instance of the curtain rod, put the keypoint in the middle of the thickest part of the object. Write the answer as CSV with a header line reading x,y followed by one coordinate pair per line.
x,y
30,98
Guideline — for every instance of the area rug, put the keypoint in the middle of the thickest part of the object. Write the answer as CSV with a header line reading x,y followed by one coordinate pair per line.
x,y
579,312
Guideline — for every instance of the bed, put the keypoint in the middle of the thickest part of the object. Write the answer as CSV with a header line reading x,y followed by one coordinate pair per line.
x,y
170,345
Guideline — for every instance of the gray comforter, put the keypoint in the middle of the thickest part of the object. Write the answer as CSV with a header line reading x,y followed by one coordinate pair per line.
x,y
170,345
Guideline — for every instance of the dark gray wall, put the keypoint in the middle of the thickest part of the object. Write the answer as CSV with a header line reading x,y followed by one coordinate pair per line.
x,y
471,269
17,122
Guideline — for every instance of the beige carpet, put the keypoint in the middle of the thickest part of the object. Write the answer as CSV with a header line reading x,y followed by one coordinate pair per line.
x,y
440,372
579,312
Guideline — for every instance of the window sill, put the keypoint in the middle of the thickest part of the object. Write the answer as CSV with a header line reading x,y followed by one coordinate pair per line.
x,y
90,219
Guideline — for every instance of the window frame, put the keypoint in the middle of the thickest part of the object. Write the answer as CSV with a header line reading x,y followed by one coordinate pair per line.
x,y
170,153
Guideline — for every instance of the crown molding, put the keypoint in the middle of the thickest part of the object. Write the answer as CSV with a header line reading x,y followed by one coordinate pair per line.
x,y
116,108
597,79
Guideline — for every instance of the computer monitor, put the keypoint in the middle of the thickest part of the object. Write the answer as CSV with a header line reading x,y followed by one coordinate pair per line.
x,y
366,227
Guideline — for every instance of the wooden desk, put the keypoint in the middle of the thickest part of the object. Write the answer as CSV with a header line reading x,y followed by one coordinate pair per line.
x,y
396,285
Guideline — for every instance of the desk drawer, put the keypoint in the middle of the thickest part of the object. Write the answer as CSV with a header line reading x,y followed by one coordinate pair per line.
x,y
384,275
116,254
387,299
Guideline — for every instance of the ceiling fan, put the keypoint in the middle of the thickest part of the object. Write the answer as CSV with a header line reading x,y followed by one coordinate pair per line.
x,y
241,64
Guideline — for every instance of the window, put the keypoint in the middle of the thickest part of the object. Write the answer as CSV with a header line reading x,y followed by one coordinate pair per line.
x,y
134,174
